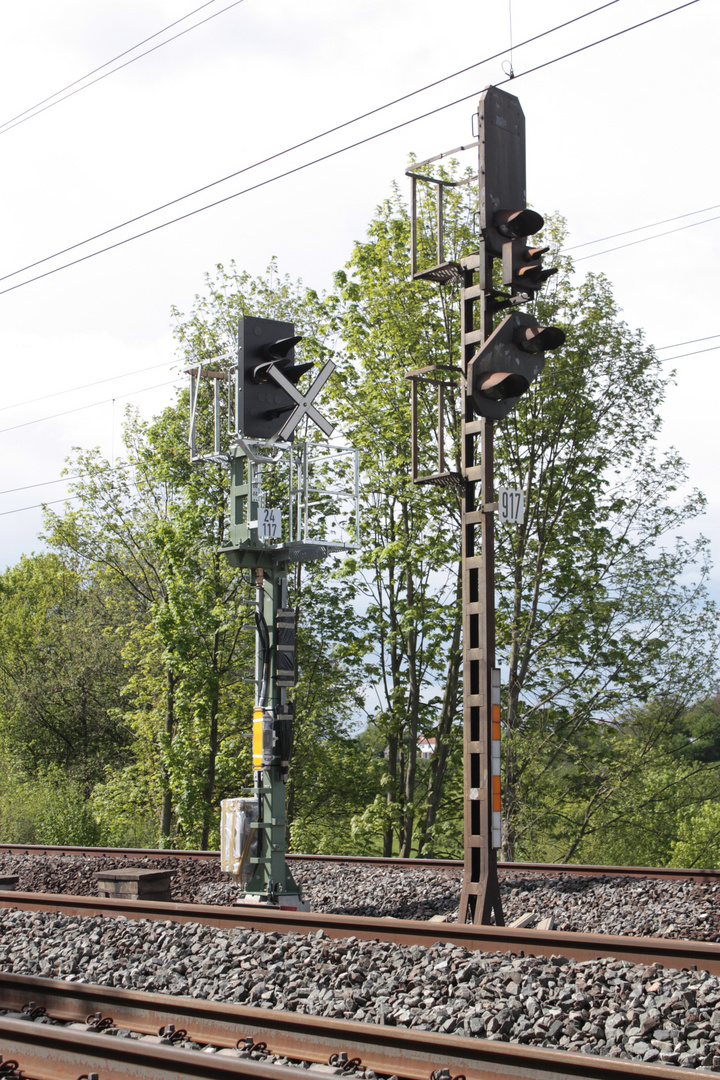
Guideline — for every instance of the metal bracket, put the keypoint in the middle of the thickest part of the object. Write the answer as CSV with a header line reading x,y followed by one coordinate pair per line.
x,y
443,477
443,272
197,372
251,449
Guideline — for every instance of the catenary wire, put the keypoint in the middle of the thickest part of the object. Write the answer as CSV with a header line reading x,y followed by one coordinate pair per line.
x,y
22,118
94,71
84,386
693,341
324,157
45,483
38,506
600,41
28,487
82,408
655,236
680,356
641,228
68,498
155,367
296,146
583,48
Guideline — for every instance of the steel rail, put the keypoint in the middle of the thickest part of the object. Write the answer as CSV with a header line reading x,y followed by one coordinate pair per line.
x,y
579,869
670,952
47,1052
404,1052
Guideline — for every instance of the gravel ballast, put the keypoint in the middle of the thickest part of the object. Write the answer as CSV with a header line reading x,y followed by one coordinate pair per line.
x,y
607,1007
608,905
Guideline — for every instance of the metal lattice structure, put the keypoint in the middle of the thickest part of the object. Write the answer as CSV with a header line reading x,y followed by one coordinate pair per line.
x,y
489,380
255,392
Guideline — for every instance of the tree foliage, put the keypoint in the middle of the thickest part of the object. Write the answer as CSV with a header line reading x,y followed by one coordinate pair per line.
x,y
407,569
126,655
603,618
603,611
152,526
60,664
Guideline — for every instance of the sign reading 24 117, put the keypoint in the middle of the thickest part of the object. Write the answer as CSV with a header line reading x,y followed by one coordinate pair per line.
x,y
512,505
269,523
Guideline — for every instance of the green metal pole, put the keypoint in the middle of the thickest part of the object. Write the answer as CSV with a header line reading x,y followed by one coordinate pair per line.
x,y
271,880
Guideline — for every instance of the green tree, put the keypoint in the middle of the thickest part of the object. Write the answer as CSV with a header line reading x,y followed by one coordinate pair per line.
x,y
153,525
61,672
698,838
332,777
646,792
320,798
602,602
605,630
701,731
408,569
602,609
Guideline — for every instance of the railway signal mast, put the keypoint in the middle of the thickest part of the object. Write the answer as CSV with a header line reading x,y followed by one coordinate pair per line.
x,y
253,428
497,366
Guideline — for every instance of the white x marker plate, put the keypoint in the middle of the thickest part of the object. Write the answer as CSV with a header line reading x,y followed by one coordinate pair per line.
x,y
303,404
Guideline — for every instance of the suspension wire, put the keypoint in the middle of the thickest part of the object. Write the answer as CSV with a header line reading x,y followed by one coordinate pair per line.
x,y
84,386
644,239
314,161
36,110
282,153
510,73
82,408
641,228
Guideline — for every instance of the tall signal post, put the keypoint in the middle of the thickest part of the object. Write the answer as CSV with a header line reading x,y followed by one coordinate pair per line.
x,y
263,406
497,365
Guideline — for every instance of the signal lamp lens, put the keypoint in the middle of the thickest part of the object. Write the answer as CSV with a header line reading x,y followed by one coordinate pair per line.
x,y
538,339
296,371
516,223
500,385
278,350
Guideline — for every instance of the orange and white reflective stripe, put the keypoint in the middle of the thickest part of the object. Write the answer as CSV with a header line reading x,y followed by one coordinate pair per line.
x,y
257,738
495,758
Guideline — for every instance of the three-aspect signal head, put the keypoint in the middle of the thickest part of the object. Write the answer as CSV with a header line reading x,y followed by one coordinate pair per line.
x,y
522,268
264,405
509,361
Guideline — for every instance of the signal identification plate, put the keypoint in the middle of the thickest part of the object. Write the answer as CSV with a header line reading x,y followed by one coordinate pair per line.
x,y
512,505
269,523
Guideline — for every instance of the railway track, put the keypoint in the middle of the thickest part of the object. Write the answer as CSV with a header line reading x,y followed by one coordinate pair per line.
x,y
48,1051
40,1047
671,953
586,870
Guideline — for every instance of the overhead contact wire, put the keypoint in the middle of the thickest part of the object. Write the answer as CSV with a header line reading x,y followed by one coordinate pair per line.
x,y
40,420
323,157
641,228
35,110
289,150
19,509
44,483
644,239
84,386
82,408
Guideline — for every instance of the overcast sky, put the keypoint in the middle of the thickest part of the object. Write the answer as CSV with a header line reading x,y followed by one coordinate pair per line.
x,y
620,135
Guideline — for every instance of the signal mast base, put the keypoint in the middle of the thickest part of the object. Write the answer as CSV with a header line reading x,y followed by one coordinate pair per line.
x,y
286,902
